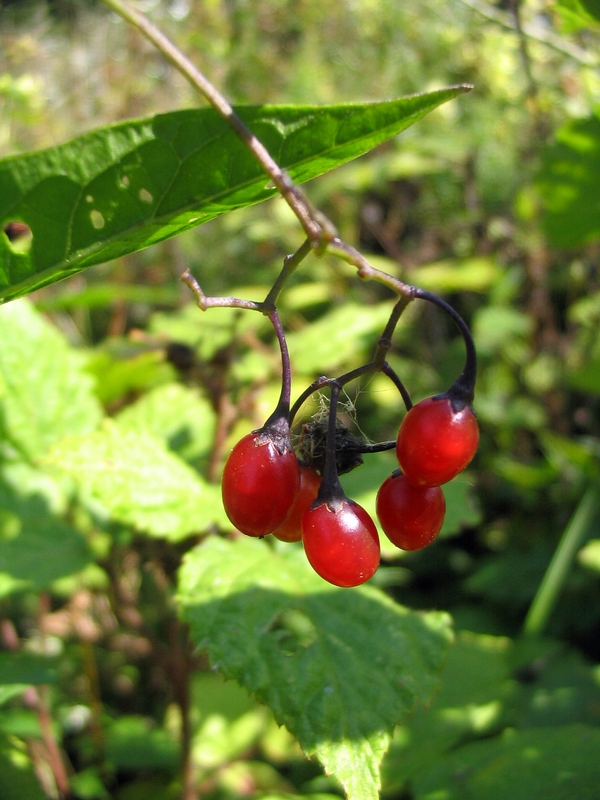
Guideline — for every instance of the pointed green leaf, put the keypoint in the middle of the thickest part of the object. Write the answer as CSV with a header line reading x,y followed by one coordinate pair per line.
x,y
338,667
139,482
121,188
44,392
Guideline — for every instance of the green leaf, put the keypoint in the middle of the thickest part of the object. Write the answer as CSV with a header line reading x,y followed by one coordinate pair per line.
x,y
322,346
551,763
122,367
462,507
556,685
578,14
475,274
178,415
121,188
568,184
132,744
138,481
44,391
36,546
589,555
468,704
27,668
338,667
586,378
11,690
17,778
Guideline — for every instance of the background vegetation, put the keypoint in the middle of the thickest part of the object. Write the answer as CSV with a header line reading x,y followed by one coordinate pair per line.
x,y
492,201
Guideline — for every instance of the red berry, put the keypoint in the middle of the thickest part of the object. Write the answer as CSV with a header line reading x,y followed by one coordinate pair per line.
x,y
435,442
260,483
342,546
411,516
290,529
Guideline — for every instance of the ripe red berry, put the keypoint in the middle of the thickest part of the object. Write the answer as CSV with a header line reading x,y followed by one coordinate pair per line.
x,y
290,529
260,482
411,516
342,546
435,442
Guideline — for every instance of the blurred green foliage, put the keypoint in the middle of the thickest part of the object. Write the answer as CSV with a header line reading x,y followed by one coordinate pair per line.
x,y
492,201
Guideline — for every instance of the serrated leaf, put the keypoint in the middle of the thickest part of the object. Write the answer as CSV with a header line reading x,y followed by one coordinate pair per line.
x,y
551,763
44,391
121,188
338,667
139,481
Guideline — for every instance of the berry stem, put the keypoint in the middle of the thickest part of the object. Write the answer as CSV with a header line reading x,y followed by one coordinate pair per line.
x,y
290,264
377,364
283,406
378,447
204,302
319,230
387,370
462,391
330,490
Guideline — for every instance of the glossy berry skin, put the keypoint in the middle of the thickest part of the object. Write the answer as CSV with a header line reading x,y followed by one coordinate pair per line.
x,y
260,483
411,516
342,546
435,442
290,529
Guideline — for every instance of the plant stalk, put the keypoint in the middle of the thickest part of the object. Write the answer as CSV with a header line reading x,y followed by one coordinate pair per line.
x,y
573,537
317,228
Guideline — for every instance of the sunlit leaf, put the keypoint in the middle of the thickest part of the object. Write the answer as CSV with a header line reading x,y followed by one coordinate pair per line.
x,y
568,184
44,391
338,667
139,481
121,188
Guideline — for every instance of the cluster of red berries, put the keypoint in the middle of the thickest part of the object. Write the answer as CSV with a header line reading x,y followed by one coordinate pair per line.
x,y
267,490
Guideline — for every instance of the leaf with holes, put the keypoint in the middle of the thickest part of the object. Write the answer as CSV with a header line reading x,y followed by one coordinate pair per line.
x,y
338,667
124,187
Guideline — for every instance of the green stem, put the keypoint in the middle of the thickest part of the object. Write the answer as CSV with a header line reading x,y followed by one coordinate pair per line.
x,y
573,537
